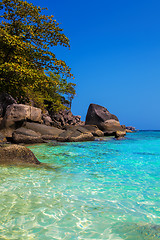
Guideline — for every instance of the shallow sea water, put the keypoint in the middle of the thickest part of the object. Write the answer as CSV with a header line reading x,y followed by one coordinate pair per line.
x,y
93,190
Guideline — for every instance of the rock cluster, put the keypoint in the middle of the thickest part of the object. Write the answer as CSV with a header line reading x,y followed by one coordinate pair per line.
x,y
26,124
105,121
65,118
35,133
21,123
75,134
130,129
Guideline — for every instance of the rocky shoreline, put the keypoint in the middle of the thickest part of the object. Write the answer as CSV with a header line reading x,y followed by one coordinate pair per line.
x,y
24,124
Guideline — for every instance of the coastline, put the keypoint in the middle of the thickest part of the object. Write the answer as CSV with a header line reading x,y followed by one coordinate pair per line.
x,y
90,187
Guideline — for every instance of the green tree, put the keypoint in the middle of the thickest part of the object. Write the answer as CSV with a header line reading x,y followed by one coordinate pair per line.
x,y
27,37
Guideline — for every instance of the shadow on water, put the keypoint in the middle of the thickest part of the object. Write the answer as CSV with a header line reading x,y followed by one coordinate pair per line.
x,y
32,166
133,231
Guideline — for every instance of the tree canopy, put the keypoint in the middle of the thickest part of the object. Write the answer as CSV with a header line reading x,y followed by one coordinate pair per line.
x,y
29,70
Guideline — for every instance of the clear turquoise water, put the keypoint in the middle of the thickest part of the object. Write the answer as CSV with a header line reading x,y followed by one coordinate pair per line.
x,y
94,190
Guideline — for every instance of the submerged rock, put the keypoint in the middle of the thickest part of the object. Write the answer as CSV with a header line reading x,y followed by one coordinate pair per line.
x,y
141,231
16,154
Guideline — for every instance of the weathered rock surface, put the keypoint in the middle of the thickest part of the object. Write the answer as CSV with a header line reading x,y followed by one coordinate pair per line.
x,y
35,133
65,118
75,134
16,113
7,132
5,100
24,135
43,129
94,130
103,119
120,134
47,119
16,154
110,126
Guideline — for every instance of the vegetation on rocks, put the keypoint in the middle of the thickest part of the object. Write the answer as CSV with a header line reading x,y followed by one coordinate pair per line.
x,y
29,70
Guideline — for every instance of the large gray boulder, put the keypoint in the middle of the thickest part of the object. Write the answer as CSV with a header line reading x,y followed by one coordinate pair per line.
x,y
110,126
35,133
103,119
97,114
27,136
75,134
17,113
16,154
43,129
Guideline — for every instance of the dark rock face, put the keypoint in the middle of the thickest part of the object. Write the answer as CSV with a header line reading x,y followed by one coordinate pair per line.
x,y
65,118
1,111
97,114
5,100
75,134
16,154
103,119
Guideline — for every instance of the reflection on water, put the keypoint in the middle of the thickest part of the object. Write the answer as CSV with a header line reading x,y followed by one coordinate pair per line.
x,y
93,190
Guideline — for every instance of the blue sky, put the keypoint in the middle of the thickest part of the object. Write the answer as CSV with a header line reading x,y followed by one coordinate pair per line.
x,y
114,56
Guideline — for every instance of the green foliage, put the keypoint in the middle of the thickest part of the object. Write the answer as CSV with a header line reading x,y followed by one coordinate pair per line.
x,y
26,37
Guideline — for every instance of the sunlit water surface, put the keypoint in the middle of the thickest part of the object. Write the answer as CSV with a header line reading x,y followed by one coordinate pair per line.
x,y
93,190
